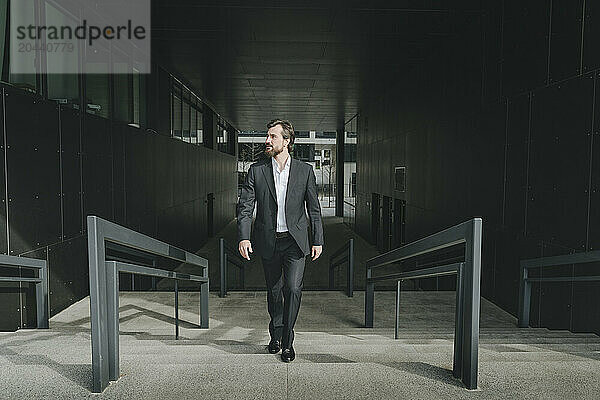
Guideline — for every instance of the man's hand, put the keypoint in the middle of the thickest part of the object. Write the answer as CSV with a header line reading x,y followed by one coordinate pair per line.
x,y
245,246
316,252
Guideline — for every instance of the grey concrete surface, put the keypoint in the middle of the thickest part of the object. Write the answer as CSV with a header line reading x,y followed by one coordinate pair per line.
x,y
336,357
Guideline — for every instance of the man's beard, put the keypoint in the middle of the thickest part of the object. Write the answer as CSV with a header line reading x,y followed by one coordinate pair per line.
x,y
273,152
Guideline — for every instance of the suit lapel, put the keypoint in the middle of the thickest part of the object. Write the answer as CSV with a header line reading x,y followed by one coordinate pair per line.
x,y
268,172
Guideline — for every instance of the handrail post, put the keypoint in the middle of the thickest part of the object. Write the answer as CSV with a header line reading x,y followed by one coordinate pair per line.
x,y
351,267
98,306
41,297
154,278
104,293
470,304
176,310
524,297
225,269
369,299
204,300
397,319
466,345
222,266
112,316
458,323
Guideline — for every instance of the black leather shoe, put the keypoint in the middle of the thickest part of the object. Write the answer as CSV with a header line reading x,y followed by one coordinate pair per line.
x,y
274,346
288,355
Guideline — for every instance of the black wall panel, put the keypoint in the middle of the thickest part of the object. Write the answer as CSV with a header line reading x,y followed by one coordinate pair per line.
x,y
594,215
10,306
585,318
3,222
162,159
139,181
68,273
492,49
28,298
118,173
516,164
33,173
555,297
521,160
565,39
71,172
97,167
561,120
507,253
591,36
177,175
488,151
525,55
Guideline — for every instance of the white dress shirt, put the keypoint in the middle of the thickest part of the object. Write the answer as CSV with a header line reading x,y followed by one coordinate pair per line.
x,y
281,181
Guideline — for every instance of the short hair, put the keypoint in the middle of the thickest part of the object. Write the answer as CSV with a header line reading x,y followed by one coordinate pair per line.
x,y
288,130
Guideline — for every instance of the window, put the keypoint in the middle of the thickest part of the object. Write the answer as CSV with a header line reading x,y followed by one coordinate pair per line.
x,y
326,135
24,81
185,119
193,125
123,87
199,122
97,81
139,98
63,88
222,136
253,133
176,120
186,113
302,134
304,152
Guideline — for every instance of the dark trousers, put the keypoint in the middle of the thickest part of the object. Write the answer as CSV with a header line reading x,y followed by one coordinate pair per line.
x,y
283,275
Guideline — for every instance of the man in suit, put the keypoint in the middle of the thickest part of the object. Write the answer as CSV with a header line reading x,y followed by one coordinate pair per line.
x,y
284,190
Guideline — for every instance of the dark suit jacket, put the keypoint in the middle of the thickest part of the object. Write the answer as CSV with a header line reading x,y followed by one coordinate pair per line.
x,y
260,188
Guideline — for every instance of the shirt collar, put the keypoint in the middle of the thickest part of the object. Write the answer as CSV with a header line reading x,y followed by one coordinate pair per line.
x,y
285,167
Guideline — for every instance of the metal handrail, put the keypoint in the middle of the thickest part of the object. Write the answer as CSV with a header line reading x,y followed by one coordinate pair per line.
x,y
466,340
41,282
349,257
113,269
525,281
228,255
104,292
150,260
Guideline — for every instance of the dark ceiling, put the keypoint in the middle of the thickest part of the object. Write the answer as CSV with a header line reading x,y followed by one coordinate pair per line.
x,y
306,61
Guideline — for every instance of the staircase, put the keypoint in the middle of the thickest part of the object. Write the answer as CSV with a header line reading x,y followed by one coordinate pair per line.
x,y
336,357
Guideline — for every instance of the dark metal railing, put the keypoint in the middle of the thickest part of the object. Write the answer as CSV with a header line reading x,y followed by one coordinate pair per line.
x,y
104,294
442,270
347,251
228,255
466,338
41,282
525,281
